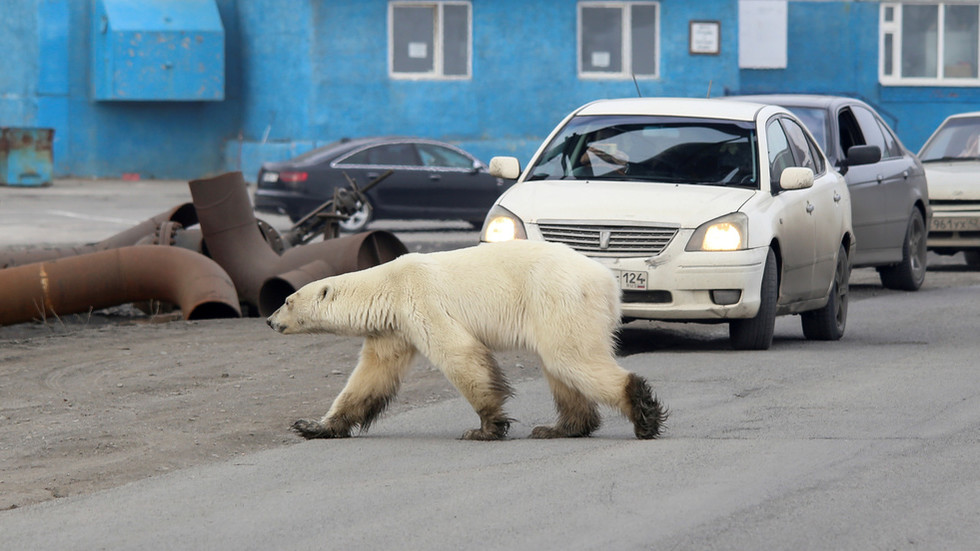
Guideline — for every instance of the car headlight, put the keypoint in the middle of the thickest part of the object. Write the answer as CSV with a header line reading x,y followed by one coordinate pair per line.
x,y
728,233
502,225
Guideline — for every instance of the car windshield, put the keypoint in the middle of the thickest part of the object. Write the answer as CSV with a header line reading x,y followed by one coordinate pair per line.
x,y
956,140
652,149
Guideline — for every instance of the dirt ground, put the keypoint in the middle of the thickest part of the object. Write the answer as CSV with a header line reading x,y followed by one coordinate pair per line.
x,y
95,401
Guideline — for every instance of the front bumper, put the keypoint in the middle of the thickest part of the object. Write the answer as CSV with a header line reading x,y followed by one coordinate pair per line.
x,y
690,285
954,226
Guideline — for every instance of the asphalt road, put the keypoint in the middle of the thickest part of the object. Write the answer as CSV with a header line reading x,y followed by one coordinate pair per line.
x,y
872,442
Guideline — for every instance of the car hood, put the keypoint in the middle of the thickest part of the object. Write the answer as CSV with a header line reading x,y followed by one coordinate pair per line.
x,y
685,205
954,180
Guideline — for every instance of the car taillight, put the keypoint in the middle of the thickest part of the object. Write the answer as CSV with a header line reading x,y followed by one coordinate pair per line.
x,y
292,177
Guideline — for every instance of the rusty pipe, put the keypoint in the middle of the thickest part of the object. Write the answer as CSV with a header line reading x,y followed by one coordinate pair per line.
x,y
233,239
195,283
184,214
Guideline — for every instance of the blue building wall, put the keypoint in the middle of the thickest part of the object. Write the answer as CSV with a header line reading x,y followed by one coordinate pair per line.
x,y
301,73
832,48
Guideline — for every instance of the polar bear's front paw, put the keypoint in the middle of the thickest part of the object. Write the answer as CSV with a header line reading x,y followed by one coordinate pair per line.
x,y
312,429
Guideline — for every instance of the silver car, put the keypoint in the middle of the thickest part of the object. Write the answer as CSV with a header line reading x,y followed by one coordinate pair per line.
x,y
952,160
889,194
705,210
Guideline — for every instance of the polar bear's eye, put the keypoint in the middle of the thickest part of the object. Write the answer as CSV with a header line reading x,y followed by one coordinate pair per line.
x,y
324,292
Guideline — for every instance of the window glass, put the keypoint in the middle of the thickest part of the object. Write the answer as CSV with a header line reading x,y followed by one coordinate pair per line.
x,y
430,40
644,32
633,148
893,148
960,42
871,129
780,155
400,154
920,40
956,139
456,40
602,38
618,39
434,155
815,120
412,33
802,151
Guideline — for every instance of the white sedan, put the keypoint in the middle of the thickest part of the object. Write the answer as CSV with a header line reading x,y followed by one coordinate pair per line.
x,y
951,157
706,210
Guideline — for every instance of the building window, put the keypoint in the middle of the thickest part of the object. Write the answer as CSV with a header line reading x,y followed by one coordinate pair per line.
x,y
929,44
429,40
618,40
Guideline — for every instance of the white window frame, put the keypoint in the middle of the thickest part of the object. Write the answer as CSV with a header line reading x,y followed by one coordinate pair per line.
x,y
438,47
626,46
894,29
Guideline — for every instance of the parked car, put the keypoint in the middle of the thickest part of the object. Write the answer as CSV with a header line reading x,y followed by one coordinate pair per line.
x,y
430,180
889,194
952,160
706,210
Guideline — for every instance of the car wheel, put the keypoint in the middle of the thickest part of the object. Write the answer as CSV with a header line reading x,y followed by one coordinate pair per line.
x,y
756,333
972,258
359,220
827,323
909,274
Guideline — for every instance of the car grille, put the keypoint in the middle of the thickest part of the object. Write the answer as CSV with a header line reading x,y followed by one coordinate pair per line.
x,y
610,240
949,206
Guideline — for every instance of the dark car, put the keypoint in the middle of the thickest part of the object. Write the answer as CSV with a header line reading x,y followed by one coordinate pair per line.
x,y
889,194
430,180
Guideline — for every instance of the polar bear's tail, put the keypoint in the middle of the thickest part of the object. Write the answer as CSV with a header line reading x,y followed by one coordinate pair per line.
x,y
646,412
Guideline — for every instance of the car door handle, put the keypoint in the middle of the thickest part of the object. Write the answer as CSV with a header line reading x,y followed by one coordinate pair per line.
x,y
905,174
880,178
373,175
435,177
837,196
809,207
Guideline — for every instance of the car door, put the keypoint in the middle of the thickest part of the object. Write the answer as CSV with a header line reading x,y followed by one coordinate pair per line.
x,y
879,191
797,229
457,184
397,196
823,206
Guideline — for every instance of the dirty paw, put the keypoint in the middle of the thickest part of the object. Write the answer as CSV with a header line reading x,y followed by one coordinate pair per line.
x,y
312,429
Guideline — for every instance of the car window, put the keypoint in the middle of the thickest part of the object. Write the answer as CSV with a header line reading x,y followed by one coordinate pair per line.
x,y
780,154
815,120
871,130
685,150
803,149
850,132
396,154
955,139
894,147
438,156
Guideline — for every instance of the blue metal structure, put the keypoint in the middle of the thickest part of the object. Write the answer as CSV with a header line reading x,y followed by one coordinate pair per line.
x,y
269,79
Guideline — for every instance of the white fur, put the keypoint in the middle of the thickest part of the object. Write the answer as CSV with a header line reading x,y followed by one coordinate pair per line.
x,y
455,307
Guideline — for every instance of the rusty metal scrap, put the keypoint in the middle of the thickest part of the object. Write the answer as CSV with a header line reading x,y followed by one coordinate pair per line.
x,y
45,290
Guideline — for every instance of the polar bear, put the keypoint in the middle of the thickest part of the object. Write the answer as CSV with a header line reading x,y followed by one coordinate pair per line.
x,y
457,307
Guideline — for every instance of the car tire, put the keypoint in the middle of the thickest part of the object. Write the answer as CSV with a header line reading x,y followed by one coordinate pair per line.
x,y
756,333
908,274
827,323
359,220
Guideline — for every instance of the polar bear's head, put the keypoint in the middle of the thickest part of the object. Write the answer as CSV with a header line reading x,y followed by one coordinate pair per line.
x,y
343,305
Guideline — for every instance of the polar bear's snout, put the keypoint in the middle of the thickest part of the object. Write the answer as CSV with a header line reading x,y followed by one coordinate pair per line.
x,y
273,322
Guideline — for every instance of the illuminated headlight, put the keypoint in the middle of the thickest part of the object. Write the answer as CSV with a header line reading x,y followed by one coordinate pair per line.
x,y
728,233
502,225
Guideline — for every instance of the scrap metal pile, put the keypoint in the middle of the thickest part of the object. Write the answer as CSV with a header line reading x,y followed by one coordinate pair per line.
x,y
210,258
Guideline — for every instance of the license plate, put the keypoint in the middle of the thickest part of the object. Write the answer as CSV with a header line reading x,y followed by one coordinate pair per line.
x,y
633,280
270,177
955,224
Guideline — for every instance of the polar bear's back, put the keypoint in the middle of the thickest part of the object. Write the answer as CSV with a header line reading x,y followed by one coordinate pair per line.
x,y
515,293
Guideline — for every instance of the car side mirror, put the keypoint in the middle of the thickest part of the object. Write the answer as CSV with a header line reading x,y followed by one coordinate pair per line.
x,y
508,168
860,155
796,177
